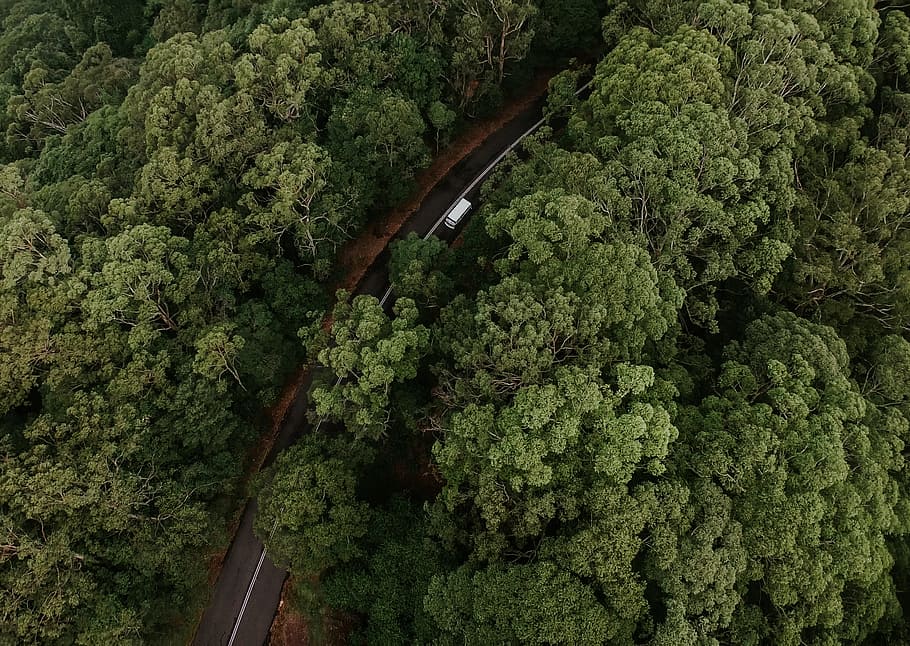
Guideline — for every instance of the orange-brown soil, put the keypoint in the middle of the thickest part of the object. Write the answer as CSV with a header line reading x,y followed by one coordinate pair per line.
x,y
291,628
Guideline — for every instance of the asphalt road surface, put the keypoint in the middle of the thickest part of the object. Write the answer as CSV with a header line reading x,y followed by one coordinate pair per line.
x,y
248,589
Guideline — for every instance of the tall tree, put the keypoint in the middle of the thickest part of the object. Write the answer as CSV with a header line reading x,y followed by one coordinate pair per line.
x,y
309,517
489,34
369,353
788,440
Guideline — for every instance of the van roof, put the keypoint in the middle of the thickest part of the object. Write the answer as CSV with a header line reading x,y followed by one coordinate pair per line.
x,y
459,210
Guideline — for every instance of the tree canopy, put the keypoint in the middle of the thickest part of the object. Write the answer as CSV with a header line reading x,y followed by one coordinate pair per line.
x,y
176,180
657,393
664,396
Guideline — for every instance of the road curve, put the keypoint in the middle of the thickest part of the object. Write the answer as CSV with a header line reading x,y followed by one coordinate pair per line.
x,y
248,589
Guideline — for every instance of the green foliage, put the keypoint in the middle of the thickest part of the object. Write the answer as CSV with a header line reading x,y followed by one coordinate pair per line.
x,y
418,270
309,517
808,470
488,34
660,395
562,22
176,178
35,263
48,108
369,354
388,584
852,226
660,117
379,134
528,604
668,388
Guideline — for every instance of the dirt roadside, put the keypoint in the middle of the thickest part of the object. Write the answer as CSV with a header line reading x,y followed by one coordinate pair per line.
x,y
290,628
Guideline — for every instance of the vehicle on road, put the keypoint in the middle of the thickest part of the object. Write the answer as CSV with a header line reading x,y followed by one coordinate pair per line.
x,y
457,213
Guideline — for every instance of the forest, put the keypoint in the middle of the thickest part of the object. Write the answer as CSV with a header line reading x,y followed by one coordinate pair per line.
x,y
176,178
659,393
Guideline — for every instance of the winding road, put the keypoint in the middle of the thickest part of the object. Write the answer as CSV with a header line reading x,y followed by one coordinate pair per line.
x,y
248,589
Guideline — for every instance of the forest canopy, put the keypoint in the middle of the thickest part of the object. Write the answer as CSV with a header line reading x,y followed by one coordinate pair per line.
x,y
176,178
664,397
659,393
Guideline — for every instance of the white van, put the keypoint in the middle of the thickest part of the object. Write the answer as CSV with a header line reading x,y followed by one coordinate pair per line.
x,y
458,212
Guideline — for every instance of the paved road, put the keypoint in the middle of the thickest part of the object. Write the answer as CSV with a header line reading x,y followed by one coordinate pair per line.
x,y
248,589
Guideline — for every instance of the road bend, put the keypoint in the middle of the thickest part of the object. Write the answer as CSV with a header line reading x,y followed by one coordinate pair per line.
x,y
248,589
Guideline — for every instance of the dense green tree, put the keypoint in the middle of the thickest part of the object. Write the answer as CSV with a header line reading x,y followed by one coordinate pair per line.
x,y
35,263
659,115
697,559
388,584
567,22
852,225
280,68
378,135
141,279
369,353
788,440
547,417
32,36
489,33
418,270
87,150
622,432
346,31
88,499
177,177
52,108
893,45
309,517
173,17
528,604
289,196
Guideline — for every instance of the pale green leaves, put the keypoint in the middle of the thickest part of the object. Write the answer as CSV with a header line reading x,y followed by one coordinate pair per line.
x,y
49,108
217,351
288,185
31,251
143,277
12,186
370,354
35,268
281,68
